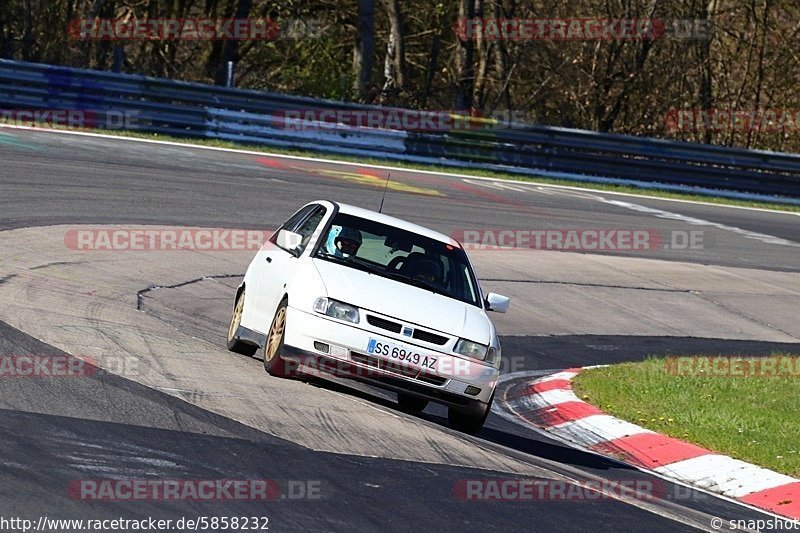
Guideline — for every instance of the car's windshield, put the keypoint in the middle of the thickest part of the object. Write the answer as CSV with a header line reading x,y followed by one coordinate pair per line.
x,y
400,255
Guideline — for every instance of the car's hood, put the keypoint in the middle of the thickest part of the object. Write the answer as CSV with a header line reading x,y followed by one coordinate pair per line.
x,y
404,302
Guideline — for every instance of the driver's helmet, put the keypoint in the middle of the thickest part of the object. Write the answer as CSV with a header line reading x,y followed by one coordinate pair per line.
x,y
343,242
427,271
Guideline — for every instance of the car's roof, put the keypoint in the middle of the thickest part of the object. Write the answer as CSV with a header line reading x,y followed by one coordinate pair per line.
x,y
396,222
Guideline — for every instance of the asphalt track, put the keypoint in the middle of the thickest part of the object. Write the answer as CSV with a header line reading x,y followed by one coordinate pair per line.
x,y
65,179
109,426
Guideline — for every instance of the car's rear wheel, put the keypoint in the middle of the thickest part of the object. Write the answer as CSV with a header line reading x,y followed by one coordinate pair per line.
x,y
411,404
274,362
234,344
470,418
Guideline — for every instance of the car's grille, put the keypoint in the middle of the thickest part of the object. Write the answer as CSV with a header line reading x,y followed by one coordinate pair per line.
x,y
427,336
432,379
396,327
383,364
384,324
394,368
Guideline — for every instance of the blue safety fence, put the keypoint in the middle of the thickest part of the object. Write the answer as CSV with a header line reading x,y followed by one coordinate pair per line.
x,y
212,112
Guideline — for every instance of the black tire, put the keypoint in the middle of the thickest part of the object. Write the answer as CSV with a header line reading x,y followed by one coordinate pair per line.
x,y
469,419
411,404
274,362
234,344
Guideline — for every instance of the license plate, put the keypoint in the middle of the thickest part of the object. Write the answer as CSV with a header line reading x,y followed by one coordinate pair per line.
x,y
401,353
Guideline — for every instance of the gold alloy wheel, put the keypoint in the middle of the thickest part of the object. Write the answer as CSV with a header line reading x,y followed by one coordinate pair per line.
x,y
276,334
236,319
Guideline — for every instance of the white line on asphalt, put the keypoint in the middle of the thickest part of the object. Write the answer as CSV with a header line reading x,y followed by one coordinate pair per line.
x,y
499,186
489,185
509,187
660,213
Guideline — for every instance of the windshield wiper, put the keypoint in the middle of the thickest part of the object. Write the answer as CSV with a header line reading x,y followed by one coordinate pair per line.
x,y
353,262
368,266
416,282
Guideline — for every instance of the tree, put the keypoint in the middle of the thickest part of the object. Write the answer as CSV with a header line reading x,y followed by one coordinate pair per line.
x,y
230,47
364,49
394,69
465,70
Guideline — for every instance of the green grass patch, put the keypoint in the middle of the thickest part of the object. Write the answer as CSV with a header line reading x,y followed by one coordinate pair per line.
x,y
777,206
752,415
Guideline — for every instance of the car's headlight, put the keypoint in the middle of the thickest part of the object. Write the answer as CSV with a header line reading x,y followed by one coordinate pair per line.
x,y
493,356
335,309
471,349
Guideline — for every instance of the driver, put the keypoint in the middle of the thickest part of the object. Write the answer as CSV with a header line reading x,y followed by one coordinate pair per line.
x,y
343,242
426,271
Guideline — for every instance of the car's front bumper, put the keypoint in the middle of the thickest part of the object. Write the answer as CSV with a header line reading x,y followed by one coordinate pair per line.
x,y
452,381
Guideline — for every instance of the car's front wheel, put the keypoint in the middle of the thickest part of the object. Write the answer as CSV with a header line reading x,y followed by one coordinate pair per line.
x,y
274,362
234,344
470,418
411,404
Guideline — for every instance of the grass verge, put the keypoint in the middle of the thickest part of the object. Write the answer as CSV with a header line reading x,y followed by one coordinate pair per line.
x,y
776,206
748,414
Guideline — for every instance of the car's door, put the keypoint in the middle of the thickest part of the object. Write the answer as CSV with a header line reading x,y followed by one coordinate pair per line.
x,y
261,273
278,264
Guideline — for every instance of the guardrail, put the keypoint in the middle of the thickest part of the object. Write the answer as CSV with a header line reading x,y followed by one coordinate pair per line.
x,y
207,111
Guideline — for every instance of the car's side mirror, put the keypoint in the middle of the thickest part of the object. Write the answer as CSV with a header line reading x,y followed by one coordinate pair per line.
x,y
497,302
289,241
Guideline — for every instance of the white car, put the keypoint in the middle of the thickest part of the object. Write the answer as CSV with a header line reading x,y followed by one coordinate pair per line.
x,y
351,292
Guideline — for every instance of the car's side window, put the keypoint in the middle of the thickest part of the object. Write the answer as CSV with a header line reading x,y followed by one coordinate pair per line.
x,y
296,219
307,227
